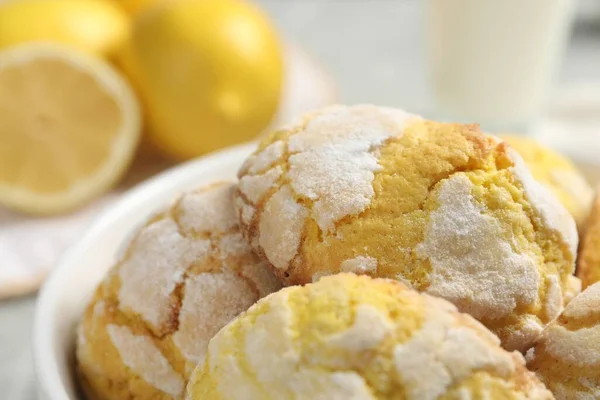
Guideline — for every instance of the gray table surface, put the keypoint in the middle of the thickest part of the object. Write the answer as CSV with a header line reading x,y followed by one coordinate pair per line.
x,y
374,49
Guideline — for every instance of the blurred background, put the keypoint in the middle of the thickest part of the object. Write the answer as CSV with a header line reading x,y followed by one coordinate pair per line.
x,y
131,88
384,59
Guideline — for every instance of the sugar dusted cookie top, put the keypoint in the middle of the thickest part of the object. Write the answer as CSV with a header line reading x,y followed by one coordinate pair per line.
x,y
558,174
354,337
441,207
567,355
573,288
185,275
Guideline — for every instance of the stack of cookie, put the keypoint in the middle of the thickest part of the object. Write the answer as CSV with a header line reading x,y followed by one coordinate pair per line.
x,y
419,260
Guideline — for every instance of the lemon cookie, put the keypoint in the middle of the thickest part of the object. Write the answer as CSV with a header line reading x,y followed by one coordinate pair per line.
x,y
558,174
573,288
185,275
442,207
354,337
588,262
567,355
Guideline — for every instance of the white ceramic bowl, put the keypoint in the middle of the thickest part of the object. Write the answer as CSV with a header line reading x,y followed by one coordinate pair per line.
x,y
64,296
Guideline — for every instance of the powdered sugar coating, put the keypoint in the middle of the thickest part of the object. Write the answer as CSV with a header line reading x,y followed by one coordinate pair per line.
x,y
211,301
144,359
187,273
348,385
552,212
584,305
232,245
580,347
525,334
261,161
567,354
435,359
369,329
330,158
333,160
573,288
207,211
281,227
360,265
554,298
254,187
470,260
417,345
403,162
245,211
159,257
267,342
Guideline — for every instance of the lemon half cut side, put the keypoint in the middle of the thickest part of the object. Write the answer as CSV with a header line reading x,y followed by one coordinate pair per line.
x,y
69,126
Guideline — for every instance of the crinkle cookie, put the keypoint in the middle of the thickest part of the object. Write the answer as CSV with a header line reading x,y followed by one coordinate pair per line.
x,y
588,262
442,207
354,337
185,275
566,357
558,174
573,288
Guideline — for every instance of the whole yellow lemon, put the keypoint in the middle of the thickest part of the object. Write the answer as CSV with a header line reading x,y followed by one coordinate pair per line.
x,y
209,73
94,26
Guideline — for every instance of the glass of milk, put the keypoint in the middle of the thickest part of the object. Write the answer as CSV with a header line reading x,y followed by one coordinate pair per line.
x,y
493,61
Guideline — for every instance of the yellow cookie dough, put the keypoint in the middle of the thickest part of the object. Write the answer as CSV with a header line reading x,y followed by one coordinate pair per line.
x,y
566,357
185,275
558,174
354,337
443,207
588,262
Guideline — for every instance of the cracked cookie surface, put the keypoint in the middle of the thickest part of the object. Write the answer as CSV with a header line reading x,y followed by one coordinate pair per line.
x,y
355,337
558,174
566,357
185,274
441,207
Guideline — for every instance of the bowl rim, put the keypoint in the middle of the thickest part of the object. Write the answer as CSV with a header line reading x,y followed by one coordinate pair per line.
x,y
49,381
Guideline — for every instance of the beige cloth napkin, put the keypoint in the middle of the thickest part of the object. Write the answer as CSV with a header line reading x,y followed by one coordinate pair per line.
x,y
29,246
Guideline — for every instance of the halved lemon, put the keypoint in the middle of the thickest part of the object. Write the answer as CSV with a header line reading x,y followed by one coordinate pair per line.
x,y
69,126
